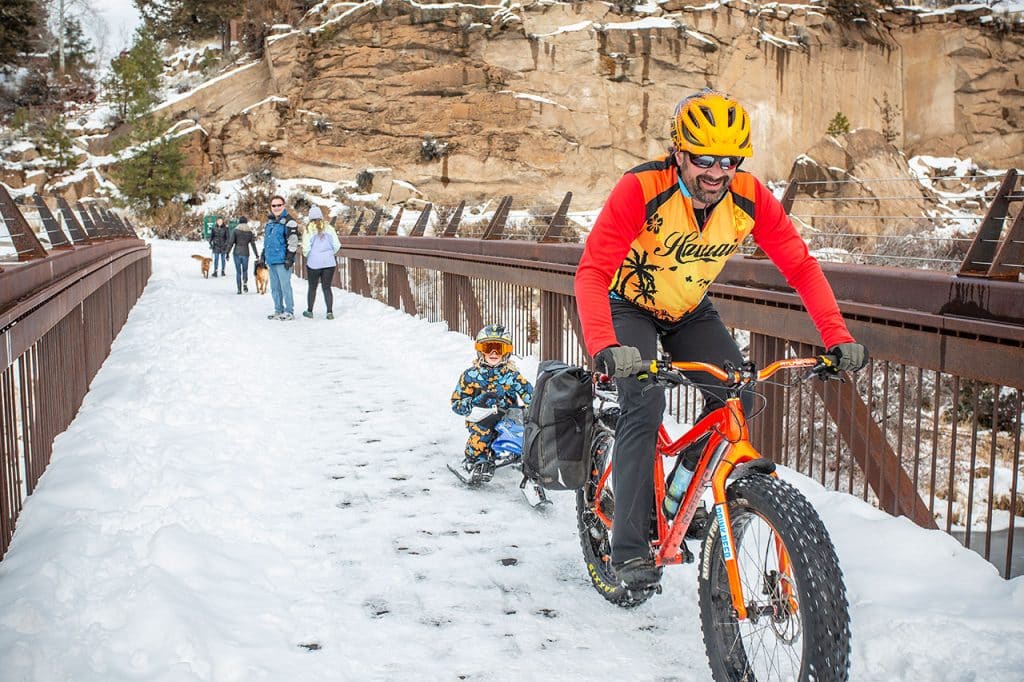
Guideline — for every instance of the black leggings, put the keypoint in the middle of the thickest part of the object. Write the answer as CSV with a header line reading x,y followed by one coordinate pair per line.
x,y
322,276
699,336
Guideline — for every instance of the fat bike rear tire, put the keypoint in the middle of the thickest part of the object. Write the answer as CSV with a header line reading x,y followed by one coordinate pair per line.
x,y
595,536
798,625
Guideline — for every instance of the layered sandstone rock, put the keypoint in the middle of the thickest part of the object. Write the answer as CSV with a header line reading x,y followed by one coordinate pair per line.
x,y
539,99
858,184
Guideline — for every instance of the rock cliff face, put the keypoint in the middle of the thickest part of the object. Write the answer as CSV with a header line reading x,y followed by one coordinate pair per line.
x,y
551,97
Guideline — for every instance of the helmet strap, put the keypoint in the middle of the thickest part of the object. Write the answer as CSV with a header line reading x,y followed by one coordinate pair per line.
x,y
682,188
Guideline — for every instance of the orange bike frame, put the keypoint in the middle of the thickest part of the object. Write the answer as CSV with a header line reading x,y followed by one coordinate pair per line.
x,y
727,448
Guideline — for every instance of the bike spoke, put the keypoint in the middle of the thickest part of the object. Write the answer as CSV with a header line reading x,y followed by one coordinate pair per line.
x,y
769,643
770,636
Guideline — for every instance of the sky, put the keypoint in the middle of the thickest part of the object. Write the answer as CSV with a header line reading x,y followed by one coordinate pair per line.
x,y
246,499
110,25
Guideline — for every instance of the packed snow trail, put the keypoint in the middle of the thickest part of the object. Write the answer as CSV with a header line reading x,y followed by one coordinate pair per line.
x,y
244,499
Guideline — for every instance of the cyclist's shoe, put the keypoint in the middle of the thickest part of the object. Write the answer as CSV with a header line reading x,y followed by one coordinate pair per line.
x,y
638,574
698,524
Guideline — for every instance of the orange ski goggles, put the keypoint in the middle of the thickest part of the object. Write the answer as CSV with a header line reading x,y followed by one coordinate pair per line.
x,y
499,347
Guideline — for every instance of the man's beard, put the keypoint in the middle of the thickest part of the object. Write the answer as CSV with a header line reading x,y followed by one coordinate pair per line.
x,y
705,197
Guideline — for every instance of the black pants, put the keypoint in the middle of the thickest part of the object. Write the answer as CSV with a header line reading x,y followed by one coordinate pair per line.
x,y
700,336
322,276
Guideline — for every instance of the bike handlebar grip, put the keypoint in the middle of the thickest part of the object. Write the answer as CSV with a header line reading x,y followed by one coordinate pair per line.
x,y
827,368
827,362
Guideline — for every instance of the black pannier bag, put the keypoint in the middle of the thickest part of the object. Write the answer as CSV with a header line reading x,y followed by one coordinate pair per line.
x,y
559,426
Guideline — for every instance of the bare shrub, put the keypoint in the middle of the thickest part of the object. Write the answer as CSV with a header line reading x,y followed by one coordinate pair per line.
x,y
432,149
986,403
364,180
254,198
442,216
174,221
1004,503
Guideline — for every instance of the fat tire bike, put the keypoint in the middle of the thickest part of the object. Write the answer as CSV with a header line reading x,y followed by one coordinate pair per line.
x,y
771,594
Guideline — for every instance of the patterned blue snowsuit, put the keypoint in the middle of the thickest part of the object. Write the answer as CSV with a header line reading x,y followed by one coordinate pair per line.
x,y
505,380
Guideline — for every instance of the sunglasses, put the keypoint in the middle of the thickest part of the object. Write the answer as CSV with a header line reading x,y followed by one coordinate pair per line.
x,y
707,161
276,205
488,347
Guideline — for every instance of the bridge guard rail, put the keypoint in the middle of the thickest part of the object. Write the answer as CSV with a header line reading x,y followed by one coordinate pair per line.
x,y
939,344
59,315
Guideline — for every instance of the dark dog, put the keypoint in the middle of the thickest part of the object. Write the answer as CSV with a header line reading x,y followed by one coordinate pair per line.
x,y
204,264
262,276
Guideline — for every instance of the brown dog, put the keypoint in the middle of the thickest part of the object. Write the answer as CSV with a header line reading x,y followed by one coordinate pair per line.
x,y
262,276
204,265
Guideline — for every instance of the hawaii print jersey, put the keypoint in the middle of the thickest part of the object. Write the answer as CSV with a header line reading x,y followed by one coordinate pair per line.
x,y
672,261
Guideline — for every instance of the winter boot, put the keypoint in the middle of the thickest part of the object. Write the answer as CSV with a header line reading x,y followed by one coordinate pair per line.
x,y
638,574
485,470
479,470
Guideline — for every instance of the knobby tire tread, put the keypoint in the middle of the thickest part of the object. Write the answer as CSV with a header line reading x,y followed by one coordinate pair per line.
x,y
823,608
597,551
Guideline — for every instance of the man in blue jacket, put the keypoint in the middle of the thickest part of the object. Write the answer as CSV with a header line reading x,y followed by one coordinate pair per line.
x,y
280,242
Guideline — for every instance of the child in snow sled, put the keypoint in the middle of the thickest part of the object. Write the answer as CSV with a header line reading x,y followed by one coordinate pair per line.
x,y
488,390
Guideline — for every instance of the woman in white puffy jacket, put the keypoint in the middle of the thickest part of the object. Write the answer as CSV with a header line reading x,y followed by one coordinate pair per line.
x,y
319,246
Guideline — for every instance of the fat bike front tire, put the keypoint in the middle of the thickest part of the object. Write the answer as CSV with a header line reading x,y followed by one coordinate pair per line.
x,y
798,624
595,536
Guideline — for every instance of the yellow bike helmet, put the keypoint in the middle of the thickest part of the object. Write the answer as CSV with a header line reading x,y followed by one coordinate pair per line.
x,y
712,123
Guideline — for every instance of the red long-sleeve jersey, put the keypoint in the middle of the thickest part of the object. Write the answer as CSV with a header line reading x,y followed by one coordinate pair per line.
x,y
624,217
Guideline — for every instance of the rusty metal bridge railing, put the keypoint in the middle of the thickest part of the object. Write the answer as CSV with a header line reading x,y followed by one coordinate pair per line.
x,y
930,430
59,313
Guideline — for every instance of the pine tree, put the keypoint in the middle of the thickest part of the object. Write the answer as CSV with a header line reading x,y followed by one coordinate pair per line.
x,y
189,19
56,144
153,170
891,118
838,125
21,28
78,50
134,77
35,93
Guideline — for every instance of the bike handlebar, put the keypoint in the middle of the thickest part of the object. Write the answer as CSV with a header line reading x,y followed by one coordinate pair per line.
x,y
822,366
